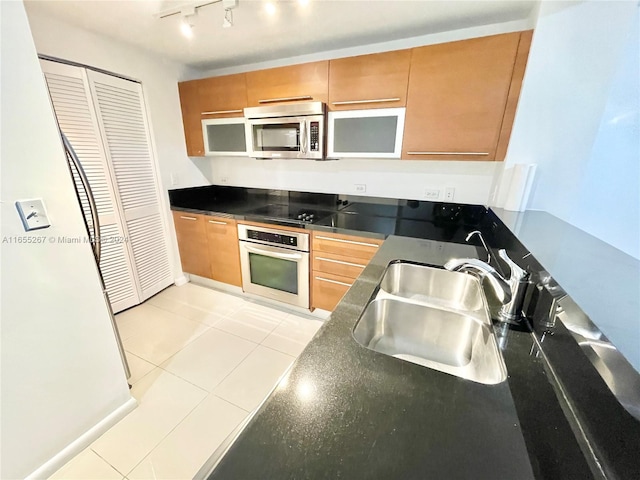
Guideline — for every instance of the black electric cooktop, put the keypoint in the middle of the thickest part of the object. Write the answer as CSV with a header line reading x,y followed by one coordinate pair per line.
x,y
289,214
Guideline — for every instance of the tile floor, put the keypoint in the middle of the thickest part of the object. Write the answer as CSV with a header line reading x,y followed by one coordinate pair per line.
x,y
200,361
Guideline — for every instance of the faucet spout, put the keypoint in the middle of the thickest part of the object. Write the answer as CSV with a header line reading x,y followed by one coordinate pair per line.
x,y
484,270
510,292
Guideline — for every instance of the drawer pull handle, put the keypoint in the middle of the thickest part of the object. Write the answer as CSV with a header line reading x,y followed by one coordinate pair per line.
x,y
333,281
375,100
352,242
216,222
447,153
340,262
188,218
221,112
286,99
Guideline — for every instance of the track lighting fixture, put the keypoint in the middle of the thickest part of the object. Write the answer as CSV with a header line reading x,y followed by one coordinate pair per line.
x,y
188,12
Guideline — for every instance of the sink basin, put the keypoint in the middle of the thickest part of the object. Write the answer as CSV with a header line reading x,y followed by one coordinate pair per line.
x,y
434,318
436,286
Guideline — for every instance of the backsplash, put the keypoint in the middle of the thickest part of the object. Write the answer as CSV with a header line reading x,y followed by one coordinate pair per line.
x,y
473,182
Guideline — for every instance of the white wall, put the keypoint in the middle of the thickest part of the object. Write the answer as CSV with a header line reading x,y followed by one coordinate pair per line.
x,y
383,178
60,367
577,49
608,204
473,181
159,80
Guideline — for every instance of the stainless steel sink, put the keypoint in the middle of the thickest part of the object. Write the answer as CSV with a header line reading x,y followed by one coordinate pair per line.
x,y
434,286
434,318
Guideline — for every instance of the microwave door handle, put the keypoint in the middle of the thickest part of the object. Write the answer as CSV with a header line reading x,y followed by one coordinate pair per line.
x,y
285,256
303,137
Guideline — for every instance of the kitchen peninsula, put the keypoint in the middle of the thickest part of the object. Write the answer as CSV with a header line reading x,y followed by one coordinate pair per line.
x,y
416,421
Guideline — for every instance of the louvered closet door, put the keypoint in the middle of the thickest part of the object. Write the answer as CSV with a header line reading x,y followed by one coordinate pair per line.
x,y
70,94
122,119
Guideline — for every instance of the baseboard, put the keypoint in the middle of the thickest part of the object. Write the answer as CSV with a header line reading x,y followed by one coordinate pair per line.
x,y
181,280
82,442
207,282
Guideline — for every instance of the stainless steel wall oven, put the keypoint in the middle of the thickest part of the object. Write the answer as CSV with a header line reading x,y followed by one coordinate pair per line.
x,y
275,264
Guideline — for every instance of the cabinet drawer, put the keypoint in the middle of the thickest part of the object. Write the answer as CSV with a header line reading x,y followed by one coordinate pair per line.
x,y
338,264
328,289
347,245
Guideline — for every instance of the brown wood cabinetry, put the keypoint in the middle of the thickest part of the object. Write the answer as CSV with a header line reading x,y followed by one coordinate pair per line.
x,y
222,97
305,82
369,81
337,260
328,289
192,243
514,93
191,119
216,97
224,253
457,98
460,97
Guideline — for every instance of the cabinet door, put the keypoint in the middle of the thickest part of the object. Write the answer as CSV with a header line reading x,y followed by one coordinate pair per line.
x,y
305,82
191,118
192,243
369,81
373,133
457,97
222,97
123,124
224,252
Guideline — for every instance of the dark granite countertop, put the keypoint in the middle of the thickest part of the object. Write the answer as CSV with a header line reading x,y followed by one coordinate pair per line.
x,y
347,412
344,411
408,218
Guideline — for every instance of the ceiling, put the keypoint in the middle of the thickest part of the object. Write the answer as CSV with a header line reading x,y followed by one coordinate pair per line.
x,y
296,28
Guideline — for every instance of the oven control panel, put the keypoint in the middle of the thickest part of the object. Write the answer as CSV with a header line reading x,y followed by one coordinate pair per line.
x,y
275,238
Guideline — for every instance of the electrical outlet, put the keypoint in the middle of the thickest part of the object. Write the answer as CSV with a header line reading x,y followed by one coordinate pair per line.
x,y
432,194
224,180
175,179
449,193
360,187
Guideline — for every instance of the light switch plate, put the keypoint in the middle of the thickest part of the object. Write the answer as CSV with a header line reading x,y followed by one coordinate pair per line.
x,y
33,214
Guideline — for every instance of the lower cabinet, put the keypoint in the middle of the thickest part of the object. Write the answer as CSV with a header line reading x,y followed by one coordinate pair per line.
x,y
337,261
208,246
192,242
224,253
328,289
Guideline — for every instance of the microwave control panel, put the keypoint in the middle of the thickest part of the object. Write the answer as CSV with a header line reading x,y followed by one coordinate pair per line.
x,y
314,130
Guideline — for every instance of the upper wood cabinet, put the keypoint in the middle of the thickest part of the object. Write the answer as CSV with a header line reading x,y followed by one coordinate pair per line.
x,y
216,97
305,82
457,97
222,97
191,119
369,81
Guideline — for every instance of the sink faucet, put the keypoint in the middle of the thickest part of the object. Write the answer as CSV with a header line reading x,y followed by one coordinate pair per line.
x,y
510,292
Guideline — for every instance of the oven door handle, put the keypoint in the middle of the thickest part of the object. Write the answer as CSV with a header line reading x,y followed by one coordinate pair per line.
x,y
286,256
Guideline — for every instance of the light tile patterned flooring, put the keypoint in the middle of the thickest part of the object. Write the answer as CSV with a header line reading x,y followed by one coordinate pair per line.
x,y
200,360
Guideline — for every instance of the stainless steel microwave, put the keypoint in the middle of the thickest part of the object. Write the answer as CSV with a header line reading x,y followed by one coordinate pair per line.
x,y
286,131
